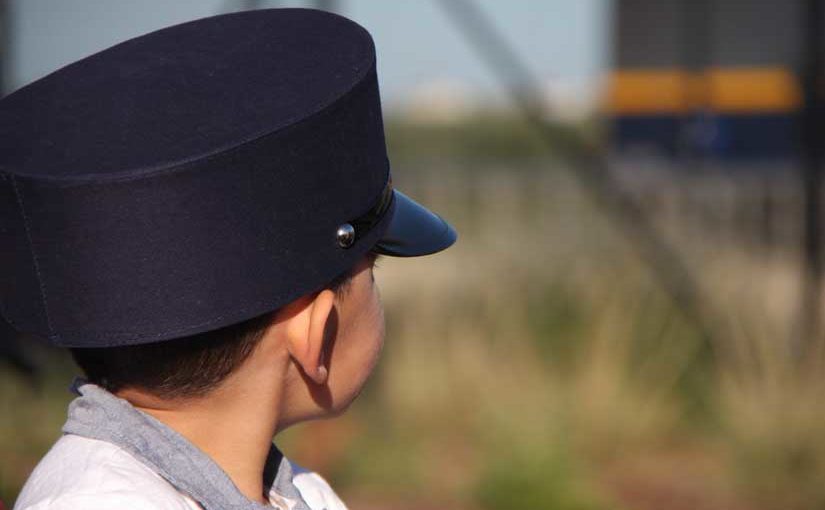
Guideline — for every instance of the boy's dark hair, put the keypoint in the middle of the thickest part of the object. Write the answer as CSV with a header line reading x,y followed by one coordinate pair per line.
x,y
185,367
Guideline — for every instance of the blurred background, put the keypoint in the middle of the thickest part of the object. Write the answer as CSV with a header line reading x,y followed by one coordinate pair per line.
x,y
632,318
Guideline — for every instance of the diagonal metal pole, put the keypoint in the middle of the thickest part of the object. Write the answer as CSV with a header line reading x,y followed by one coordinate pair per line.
x,y
326,5
242,5
590,167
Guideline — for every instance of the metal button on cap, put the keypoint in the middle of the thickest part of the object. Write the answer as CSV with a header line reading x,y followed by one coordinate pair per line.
x,y
346,235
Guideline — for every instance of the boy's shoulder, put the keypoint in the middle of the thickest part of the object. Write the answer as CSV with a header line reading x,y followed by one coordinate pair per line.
x,y
82,473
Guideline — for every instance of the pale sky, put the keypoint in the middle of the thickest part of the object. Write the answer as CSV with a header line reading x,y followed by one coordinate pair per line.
x,y
563,40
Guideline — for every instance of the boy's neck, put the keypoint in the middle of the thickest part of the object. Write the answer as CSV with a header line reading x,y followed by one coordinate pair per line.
x,y
234,425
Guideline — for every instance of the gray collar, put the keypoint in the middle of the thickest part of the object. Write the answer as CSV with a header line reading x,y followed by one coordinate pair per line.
x,y
98,414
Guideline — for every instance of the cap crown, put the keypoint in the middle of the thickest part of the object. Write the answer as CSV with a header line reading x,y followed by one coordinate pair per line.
x,y
189,178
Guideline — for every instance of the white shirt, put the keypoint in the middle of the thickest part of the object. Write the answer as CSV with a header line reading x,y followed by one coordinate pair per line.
x,y
79,473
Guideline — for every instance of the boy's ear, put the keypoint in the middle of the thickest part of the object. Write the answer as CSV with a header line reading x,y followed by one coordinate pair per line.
x,y
305,331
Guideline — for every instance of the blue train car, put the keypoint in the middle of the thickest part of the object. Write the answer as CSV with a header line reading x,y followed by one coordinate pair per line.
x,y
715,78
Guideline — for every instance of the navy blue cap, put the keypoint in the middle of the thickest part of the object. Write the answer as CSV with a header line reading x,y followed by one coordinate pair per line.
x,y
195,177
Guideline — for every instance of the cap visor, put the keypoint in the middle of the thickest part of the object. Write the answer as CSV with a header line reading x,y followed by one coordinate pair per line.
x,y
414,230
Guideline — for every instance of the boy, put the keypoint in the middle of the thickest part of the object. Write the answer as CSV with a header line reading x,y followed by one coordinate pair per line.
x,y
195,213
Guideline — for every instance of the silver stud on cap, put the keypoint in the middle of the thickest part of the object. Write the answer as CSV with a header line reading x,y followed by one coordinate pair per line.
x,y
346,235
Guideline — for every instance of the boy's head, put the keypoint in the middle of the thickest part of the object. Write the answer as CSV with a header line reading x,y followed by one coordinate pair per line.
x,y
347,313
177,207
188,367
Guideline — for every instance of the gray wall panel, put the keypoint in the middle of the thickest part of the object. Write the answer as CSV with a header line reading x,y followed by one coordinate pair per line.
x,y
698,33
648,33
756,32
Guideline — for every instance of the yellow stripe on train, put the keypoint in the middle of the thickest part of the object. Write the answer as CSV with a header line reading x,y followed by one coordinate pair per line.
x,y
721,89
